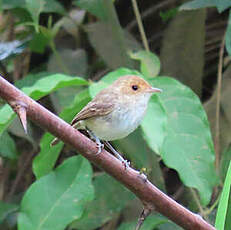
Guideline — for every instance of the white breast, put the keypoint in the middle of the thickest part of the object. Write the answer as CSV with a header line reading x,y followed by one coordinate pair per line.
x,y
119,123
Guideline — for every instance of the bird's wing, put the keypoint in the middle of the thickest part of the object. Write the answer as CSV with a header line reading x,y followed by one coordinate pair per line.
x,y
93,109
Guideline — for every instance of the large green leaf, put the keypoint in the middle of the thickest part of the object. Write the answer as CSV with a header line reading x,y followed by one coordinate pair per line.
x,y
37,86
188,146
57,198
179,58
196,4
223,218
114,43
96,7
110,198
7,146
49,5
109,31
154,124
45,160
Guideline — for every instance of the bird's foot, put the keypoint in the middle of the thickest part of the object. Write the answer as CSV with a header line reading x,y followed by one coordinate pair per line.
x,y
143,176
126,163
100,147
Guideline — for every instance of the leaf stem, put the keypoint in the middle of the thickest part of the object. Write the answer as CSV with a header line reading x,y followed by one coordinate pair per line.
x,y
140,25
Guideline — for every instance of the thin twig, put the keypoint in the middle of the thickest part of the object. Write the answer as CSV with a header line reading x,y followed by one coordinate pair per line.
x,y
140,25
150,11
143,189
20,174
218,102
195,197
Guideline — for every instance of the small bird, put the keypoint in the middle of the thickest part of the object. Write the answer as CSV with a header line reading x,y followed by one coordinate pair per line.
x,y
115,112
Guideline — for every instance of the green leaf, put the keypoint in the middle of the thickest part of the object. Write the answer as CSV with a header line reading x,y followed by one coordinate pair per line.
x,y
110,198
10,4
7,146
44,162
169,226
46,159
38,86
39,43
35,8
185,29
112,34
228,35
225,160
53,6
74,60
152,222
57,199
48,5
223,218
188,146
196,4
6,209
95,7
113,44
222,5
154,123
149,63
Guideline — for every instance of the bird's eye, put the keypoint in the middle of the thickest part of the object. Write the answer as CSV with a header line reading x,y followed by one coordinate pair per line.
x,y
134,87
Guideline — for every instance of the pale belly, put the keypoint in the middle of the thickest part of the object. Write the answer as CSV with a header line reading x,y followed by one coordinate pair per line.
x,y
114,126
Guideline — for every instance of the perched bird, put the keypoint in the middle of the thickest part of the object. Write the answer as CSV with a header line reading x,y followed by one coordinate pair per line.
x,y
116,111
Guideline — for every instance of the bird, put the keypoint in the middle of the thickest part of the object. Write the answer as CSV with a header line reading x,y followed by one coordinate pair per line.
x,y
115,111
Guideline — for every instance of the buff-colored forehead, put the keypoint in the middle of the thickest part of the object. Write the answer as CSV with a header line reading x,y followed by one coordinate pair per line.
x,y
125,83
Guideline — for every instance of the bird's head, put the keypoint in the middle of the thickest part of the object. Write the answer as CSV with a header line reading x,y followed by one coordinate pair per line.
x,y
134,87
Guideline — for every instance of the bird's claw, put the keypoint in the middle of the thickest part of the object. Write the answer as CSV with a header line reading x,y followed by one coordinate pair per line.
x,y
142,174
143,177
100,146
126,163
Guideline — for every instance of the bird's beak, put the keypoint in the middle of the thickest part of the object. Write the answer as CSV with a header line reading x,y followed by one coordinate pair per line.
x,y
154,90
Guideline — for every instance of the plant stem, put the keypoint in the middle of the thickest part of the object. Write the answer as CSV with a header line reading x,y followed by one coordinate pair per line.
x,y
218,102
195,197
140,25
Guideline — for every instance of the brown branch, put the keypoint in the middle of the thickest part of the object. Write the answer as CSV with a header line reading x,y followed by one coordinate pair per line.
x,y
132,179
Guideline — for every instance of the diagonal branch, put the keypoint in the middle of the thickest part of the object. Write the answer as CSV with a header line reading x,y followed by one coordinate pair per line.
x,y
147,192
